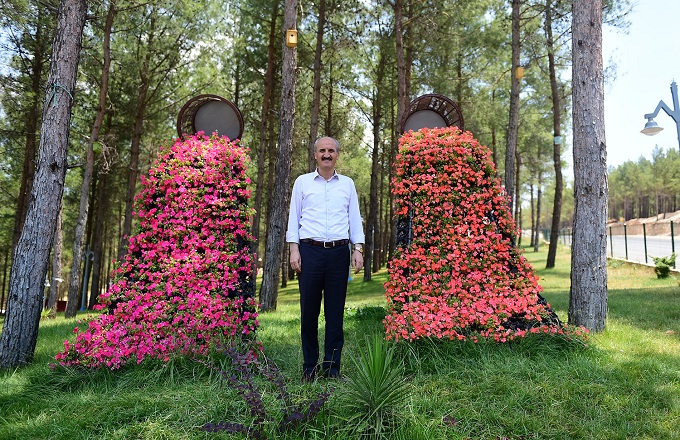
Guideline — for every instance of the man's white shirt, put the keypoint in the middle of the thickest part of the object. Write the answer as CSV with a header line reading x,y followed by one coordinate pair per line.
x,y
324,210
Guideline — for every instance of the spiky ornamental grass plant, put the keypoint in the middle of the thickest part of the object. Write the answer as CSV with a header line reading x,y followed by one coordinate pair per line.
x,y
178,291
376,389
460,277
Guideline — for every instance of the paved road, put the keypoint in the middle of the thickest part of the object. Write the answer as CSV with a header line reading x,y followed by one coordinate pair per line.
x,y
634,245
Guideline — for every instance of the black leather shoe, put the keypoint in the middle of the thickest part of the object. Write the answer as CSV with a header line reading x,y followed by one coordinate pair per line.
x,y
309,376
331,374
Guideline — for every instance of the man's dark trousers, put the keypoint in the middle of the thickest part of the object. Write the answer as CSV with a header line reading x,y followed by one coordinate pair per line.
x,y
324,270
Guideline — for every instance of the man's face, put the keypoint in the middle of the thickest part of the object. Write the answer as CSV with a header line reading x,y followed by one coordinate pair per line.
x,y
326,154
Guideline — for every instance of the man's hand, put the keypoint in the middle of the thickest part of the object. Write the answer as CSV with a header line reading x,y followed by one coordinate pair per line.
x,y
357,261
295,260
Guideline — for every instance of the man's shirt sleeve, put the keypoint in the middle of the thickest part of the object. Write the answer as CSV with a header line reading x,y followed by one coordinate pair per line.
x,y
356,229
293,232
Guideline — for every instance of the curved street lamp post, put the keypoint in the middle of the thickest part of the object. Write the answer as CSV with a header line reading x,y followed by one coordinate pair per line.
x,y
651,127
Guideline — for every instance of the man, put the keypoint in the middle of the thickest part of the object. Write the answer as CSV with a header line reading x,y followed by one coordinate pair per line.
x,y
324,219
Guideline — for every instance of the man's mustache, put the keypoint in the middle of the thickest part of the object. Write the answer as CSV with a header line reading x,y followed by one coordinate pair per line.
x,y
326,158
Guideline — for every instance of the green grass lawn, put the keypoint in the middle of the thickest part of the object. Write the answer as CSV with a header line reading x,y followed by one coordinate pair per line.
x,y
624,384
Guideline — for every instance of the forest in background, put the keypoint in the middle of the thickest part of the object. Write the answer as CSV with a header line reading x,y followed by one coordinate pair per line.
x,y
163,53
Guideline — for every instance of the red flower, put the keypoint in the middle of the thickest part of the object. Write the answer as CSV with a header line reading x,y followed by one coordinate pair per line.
x,y
460,277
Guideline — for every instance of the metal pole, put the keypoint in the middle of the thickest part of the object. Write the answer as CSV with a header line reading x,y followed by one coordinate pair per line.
x,y
644,239
625,239
674,113
672,240
611,243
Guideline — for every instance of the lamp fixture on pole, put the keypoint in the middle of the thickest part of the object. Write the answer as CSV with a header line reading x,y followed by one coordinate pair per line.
x,y
651,127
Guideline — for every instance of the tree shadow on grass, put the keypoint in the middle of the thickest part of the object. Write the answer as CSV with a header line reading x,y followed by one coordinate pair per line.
x,y
656,309
497,391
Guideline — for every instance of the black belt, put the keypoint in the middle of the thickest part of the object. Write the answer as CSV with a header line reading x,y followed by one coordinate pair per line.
x,y
325,244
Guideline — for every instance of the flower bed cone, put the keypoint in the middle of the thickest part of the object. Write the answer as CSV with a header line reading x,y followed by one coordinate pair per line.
x,y
457,274
184,287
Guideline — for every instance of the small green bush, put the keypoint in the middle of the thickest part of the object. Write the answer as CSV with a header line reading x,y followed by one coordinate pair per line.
x,y
663,265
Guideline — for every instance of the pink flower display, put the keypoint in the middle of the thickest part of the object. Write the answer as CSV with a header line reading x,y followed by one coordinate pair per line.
x,y
180,289
460,277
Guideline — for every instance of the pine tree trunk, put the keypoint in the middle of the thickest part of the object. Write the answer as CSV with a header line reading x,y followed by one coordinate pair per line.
x,y
518,206
32,124
372,220
76,278
284,266
513,121
392,225
402,97
27,278
98,239
133,170
378,231
277,216
588,295
5,266
537,239
557,144
532,204
267,101
316,87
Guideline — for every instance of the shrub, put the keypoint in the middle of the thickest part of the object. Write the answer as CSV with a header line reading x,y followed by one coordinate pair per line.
x,y
663,265
461,277
179,289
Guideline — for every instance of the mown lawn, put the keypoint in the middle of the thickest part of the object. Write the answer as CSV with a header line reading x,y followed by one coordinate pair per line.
x,y
624,384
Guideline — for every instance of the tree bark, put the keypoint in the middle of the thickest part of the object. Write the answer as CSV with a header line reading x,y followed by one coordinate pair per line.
x,y
513,120
76,278
539,191
316,88
5,266
532,204
98,239
277,215
37,62
372,221
133,170
518,167
27,278
266,104
588,294
557,144
402,97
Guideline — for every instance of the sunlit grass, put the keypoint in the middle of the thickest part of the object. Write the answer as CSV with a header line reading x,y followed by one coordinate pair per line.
x,y
625,384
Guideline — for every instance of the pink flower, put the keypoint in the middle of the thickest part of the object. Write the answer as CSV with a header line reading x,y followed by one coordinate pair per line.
x,y
176,293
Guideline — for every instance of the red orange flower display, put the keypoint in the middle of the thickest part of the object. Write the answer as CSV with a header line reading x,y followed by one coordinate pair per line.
x,y
460,277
